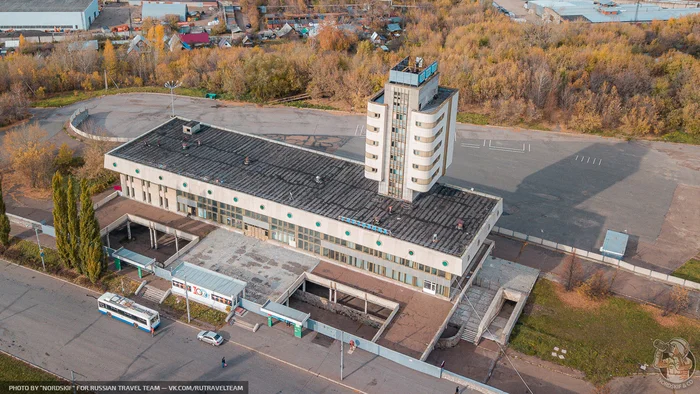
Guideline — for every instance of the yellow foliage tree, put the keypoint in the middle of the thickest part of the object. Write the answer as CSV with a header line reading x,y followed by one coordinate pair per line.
x,y
31,154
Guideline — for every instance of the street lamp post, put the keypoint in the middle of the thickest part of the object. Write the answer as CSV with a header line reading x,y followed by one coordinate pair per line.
x,y
187,299
41,251
172,85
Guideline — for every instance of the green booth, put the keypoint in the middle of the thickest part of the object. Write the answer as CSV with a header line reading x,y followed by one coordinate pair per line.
x,y
285,314
139,261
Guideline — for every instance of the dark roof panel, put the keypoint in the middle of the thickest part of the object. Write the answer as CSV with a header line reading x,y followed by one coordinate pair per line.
x,y
287,175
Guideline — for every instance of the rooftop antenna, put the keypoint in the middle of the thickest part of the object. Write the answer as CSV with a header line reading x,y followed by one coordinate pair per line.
x,y
291,197
172,85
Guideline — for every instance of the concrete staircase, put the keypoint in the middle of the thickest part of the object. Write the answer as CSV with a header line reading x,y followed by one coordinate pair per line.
x,y
152,294
480,298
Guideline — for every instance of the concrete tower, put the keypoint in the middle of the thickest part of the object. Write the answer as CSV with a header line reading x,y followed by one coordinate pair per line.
x,y
410,130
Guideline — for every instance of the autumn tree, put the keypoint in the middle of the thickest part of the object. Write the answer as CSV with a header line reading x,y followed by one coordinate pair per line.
x,y
64,159
90,240
30,154
677,302
110,62
60,221
73,224
4,221
14,105
572,273
330,38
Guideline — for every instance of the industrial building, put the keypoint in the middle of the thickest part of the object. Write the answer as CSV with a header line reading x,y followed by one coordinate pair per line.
x,y
47,14
409,229
604,11
161,10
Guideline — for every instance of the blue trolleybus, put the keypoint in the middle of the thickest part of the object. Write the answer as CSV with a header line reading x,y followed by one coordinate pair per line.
x,y
126,310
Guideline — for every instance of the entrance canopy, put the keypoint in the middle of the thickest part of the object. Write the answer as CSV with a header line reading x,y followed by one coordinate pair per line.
x,y
133,258
285,313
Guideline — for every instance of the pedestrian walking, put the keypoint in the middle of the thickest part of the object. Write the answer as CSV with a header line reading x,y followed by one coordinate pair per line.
x,y
457,390
223,362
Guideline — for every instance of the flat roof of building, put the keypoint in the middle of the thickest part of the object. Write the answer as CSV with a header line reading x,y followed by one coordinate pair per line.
x,y
44,5
287,174
208,279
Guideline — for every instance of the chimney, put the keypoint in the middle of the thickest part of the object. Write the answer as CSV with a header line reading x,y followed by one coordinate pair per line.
x,y
435,239
246,161
460,224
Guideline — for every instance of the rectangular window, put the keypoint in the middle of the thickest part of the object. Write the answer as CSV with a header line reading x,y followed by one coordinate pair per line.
x,y
161,201
144,196
127,192
166,203
149,197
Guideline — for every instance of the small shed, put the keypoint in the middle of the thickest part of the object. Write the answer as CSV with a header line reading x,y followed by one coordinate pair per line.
x,y
615,244
160,10
283,313
207,287
393,27
139,261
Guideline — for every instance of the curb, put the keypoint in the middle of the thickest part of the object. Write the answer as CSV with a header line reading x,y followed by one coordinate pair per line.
x,y
196,328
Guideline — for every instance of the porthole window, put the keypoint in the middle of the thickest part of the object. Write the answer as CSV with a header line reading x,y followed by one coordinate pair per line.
x,y
184,184
160,177
138,171
208,191
410,253
114,164
347,233
379,243
444,263
318,224
289,215
262,207
235,199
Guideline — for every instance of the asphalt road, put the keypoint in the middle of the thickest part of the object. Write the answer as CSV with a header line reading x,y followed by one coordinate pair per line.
x,y
562,187
57,326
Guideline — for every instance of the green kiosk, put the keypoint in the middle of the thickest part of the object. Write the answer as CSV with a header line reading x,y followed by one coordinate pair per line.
x,y
285,314
139,261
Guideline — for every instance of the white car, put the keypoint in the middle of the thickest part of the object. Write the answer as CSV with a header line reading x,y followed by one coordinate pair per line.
x,y
210,337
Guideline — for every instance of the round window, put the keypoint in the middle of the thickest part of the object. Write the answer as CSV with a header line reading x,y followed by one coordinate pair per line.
x,y
160,177
262,207
235,199
410,253
289,215
137,171
444,263
318,224
379,243
347,233
114,164
184,184
208,191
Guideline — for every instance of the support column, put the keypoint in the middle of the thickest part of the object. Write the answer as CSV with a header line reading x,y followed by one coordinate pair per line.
x,y
177,247
269,321
118,264
297,330
287,302
108,238
365,303
150,237
128,230
140,273
303,286
155,238
330,295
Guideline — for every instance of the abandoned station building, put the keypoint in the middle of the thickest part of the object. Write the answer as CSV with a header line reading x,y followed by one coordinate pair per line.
x,y
388,216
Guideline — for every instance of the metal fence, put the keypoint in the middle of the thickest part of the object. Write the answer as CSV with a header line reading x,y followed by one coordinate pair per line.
x,y
598,258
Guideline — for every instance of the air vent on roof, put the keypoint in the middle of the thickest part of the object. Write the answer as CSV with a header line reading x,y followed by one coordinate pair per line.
x,y
435,238
318,179
460,224
246,161
190,127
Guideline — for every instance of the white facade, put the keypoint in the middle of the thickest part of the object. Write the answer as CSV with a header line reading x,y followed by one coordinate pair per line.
x,y
410,135
49,20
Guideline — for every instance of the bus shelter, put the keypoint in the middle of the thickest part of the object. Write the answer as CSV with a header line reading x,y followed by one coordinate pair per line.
x,y
285,314
139,261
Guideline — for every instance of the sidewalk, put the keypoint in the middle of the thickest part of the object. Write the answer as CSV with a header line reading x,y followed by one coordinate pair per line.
x,y
363,371
552,264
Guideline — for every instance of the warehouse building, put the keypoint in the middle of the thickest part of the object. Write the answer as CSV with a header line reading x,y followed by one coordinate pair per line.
x,y
604,11
161,10
426,235
47,14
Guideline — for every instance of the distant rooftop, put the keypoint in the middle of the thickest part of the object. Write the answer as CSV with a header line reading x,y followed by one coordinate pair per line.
x,y
44,5
608,11
414,73
287,174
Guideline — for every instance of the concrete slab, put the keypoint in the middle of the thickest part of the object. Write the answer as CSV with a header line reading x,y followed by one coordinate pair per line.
x,y
496,273
267,268
419,317
120,206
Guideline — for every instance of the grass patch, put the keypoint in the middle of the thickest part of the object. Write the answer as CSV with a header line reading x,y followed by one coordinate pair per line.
x,y
682,138
610,340
15,370
690,270
306,104
68,98
197,311
473,118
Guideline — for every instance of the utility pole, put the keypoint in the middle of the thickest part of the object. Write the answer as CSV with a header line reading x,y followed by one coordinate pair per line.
x,y
172,85
187,299
72,379
636,12
105,79
342,348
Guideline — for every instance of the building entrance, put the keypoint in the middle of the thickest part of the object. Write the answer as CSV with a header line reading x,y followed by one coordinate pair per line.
x,y
256,232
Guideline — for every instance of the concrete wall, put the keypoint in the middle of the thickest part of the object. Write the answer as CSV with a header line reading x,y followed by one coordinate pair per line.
x,y
79,116
450,342
353,314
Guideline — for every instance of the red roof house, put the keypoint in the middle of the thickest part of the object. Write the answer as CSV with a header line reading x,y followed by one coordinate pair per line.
x,y
195,38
